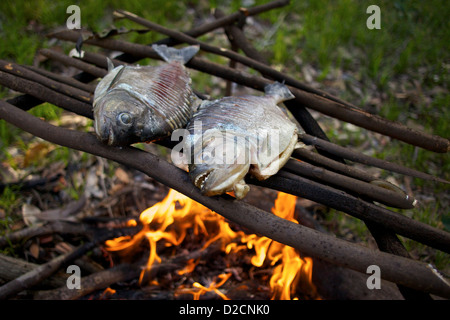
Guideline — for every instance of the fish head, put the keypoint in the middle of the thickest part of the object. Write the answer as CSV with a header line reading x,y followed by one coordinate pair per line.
x,y
214,173
120,119
220,179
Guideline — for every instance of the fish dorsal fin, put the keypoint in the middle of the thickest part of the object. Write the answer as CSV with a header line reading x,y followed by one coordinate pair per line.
x,y
279,91
170,54
110,64
116,78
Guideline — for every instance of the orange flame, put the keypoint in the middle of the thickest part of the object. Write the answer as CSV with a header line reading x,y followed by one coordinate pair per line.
x,y
171,218
212,287
108,292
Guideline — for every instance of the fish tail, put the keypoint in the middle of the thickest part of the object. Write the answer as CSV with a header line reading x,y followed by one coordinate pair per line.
x,y
279,91
172,54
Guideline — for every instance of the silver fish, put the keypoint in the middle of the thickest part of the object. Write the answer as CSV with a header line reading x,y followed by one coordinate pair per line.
x,y
145,103
233,136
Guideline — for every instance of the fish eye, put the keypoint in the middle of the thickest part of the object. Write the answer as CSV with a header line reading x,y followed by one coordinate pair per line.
x,y
125,118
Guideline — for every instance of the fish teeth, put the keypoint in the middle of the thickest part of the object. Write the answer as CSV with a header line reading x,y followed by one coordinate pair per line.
x,y
201,179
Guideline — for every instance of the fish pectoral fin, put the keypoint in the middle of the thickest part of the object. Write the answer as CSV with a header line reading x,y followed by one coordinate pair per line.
x,y
299,145
241,189
262,171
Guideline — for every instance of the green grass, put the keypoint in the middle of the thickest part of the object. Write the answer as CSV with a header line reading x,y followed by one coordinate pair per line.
x,y
412,34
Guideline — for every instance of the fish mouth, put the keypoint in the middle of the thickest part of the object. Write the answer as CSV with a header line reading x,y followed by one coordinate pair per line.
x,y
201,179
105,133
111,137
214,182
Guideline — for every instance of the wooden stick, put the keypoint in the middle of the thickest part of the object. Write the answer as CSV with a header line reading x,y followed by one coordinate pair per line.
x,y
100,60
93,282
331,108
39,91
254,64
63,79
364,189
322,161
420,276
359,208
121,273
322,200
41,273
308,123
45,270
364,159
62,227
56,98
12,268
89,68
322,193
386,240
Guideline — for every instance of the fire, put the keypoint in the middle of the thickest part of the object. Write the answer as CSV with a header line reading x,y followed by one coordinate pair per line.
x,y
170,220
212,287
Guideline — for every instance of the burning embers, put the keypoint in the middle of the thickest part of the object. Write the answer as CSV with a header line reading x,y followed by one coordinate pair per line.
x,y
170,222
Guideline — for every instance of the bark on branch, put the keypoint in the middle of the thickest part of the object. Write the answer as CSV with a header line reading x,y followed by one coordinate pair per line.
x,y
413,274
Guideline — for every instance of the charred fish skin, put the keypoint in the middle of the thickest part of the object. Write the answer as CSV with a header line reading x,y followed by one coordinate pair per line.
x,y
145,103
262,140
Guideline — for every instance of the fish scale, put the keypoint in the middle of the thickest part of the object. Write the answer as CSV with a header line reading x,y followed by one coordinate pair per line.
x,y
269,140
145,103
168,84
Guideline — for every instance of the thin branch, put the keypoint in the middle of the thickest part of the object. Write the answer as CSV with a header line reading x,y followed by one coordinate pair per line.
x,y
45,270
121,273
366,211
100,60
89,68
249,62
349,154
42,92
387,240
301,114
49,228
343,202
63,79
317,159
419,276
28,74
364,189
331,108
12,268
93,282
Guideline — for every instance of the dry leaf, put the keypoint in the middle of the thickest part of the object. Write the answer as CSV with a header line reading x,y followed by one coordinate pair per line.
x,y
34,250
46,239
30,214
122,175
36,152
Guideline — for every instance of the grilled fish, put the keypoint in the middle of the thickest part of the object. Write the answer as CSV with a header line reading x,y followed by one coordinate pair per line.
x,y
145,103
233,136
